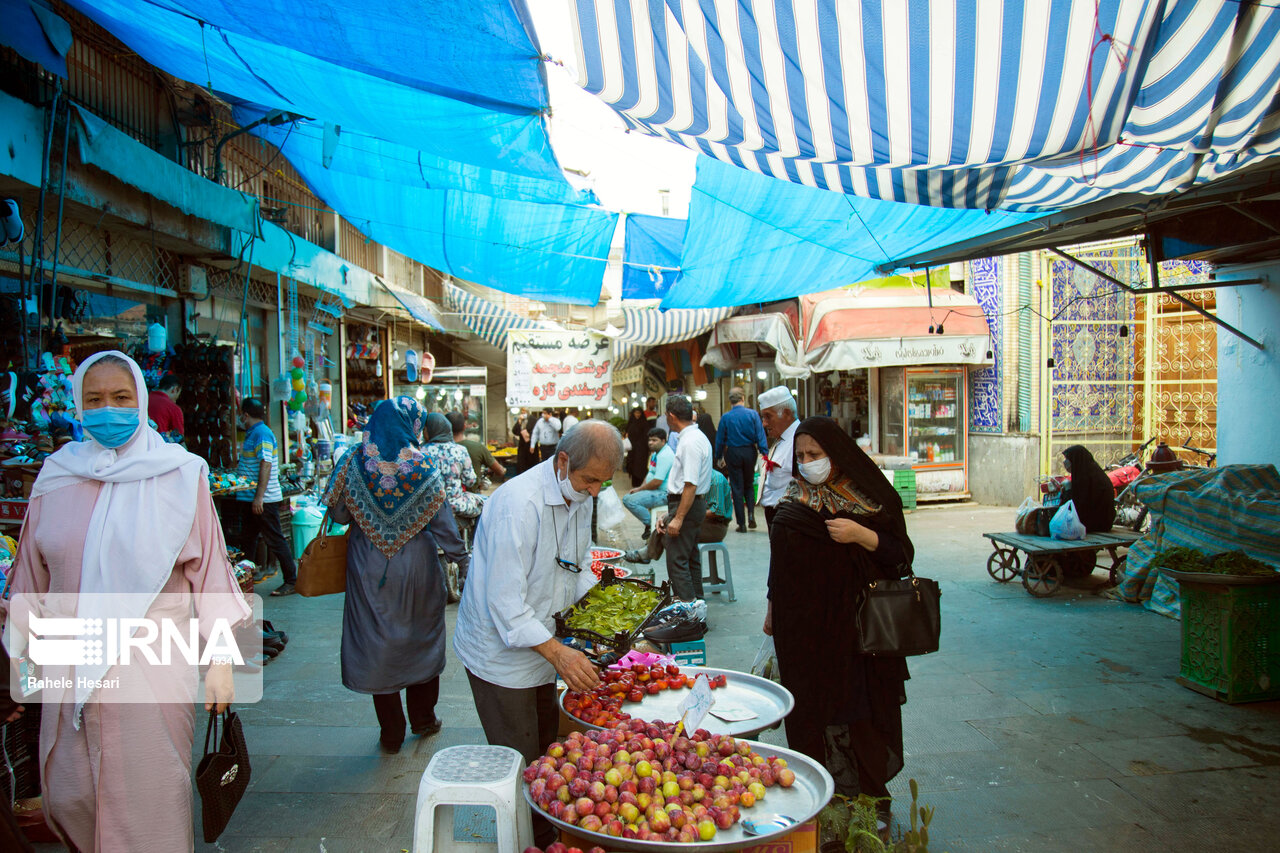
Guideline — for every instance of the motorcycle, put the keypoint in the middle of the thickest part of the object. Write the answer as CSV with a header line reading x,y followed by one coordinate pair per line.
x,y
1130,511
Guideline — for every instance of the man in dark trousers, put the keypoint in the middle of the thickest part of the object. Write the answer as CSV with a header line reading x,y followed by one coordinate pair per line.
x,y
526,456
740,441
259,461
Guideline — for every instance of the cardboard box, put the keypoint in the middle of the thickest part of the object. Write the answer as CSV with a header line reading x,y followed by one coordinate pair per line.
x,y
690,654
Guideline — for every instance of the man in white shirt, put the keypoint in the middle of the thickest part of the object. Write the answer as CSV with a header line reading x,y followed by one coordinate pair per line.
x,y
687,486
530,548
545,435
570,420
780,418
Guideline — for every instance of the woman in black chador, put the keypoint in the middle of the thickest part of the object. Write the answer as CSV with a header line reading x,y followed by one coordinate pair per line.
x,y
1090,489
839,527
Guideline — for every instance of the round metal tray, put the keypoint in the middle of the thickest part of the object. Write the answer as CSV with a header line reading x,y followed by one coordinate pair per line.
x,y
812,790
1220,579
770,702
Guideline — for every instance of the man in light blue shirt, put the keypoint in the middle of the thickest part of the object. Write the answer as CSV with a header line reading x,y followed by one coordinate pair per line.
x,y
259,461
652,492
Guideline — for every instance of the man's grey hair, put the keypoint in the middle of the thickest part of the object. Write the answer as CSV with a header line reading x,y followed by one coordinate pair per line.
x,y
591,440
736,396
788,405
680,406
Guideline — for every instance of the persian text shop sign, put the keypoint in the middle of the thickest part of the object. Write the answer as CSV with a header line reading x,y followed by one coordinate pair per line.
x,y
559,369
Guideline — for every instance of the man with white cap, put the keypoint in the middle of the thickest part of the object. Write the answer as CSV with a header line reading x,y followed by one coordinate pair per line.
x,y
780,418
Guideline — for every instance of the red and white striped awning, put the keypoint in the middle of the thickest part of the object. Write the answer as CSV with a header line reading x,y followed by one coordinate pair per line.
x,y
878,327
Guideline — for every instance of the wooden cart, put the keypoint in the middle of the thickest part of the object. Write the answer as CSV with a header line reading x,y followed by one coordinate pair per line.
x,y
1042,571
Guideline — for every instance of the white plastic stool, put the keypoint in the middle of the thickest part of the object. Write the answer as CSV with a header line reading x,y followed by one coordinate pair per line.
x,y
707,551
472,775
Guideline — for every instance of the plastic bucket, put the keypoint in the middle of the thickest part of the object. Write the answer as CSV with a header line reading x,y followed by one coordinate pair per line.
x,y
306,525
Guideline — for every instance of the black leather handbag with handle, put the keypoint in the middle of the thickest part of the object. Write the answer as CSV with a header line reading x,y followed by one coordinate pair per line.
x,y
223,775
899,618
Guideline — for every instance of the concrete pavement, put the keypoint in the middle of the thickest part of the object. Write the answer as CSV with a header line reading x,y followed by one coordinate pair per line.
x,y
1042,724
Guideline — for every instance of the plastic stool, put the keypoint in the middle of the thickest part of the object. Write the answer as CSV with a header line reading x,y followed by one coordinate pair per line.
x,y
708,551
472,775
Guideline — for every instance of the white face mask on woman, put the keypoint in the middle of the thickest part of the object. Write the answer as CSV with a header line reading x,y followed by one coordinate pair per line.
x,y
816,471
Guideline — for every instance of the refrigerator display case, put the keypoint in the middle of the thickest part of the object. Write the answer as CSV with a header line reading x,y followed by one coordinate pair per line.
x,y
924,418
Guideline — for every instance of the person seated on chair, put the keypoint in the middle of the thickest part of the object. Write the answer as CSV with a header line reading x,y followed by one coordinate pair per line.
x,y
653,491
714,527
481,459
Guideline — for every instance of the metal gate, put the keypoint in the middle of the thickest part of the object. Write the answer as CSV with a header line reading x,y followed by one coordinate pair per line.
x,y
1126,368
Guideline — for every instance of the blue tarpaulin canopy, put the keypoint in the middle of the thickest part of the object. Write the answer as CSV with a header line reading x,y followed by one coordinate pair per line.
x,y
651,259
752,238
1000,103
36,33
555,252
465,84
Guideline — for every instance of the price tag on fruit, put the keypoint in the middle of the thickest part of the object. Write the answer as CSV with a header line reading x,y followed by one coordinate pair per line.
x,y
694,707
734,715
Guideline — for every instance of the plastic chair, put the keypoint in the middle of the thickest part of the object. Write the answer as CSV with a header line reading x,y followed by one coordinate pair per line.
x,y
713,582
476,776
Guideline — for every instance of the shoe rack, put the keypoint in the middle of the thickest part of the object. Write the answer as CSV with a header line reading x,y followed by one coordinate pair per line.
x,y
206,401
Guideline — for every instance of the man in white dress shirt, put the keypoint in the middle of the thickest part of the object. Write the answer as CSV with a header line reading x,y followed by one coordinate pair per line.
x,y
545,435
780,418
687,486
531,547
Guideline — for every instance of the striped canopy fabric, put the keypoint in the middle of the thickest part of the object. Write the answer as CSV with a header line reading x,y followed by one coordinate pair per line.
x,y
950,103
653,327
488,321
643,328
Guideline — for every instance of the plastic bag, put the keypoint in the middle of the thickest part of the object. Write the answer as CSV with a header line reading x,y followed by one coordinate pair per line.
x,y
766,662
610,512
1066,524
1025,520
626,445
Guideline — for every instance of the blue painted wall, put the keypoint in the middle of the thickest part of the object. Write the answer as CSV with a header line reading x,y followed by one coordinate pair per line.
x,y
1249,379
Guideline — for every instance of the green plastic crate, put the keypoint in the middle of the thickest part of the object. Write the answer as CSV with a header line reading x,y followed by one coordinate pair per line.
x,y
904,482
1231,641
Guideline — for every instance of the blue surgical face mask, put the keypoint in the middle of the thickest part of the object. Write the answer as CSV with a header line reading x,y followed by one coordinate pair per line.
x,y
110,426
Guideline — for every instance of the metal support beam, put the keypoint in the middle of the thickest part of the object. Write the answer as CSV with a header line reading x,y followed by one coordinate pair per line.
x,y
1240,209
1184,300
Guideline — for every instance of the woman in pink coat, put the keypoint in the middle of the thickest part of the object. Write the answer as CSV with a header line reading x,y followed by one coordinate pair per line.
x,y
123,512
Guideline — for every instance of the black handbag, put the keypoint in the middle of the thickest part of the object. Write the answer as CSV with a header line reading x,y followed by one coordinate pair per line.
x,y
222,776
898,618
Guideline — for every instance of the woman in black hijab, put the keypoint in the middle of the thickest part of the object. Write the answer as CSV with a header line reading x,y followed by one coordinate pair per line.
x,y
638,457
1091,489
839,527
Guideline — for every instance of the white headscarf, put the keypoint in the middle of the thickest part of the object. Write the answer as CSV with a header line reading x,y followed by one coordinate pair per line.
x,y
147,485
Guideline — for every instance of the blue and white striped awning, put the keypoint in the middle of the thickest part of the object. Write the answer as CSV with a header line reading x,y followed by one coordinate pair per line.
x,y
485,319
653,327
951,103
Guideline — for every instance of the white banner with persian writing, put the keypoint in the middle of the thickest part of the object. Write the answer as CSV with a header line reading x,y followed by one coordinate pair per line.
x,y
559,369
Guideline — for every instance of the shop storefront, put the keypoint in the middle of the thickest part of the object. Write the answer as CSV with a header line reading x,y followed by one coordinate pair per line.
x,y
890,364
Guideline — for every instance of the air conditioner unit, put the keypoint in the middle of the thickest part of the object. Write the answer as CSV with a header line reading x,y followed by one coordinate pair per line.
x,y
193,281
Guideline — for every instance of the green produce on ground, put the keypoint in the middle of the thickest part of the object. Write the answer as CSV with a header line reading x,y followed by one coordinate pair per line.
x,y
1227,563
611,609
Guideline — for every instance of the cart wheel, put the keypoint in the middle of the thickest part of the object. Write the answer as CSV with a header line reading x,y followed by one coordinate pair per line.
x,y
453,582
1003,564
1042,576
1117,568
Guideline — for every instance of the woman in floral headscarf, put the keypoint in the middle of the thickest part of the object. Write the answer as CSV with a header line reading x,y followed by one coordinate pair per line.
x,y
393,633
